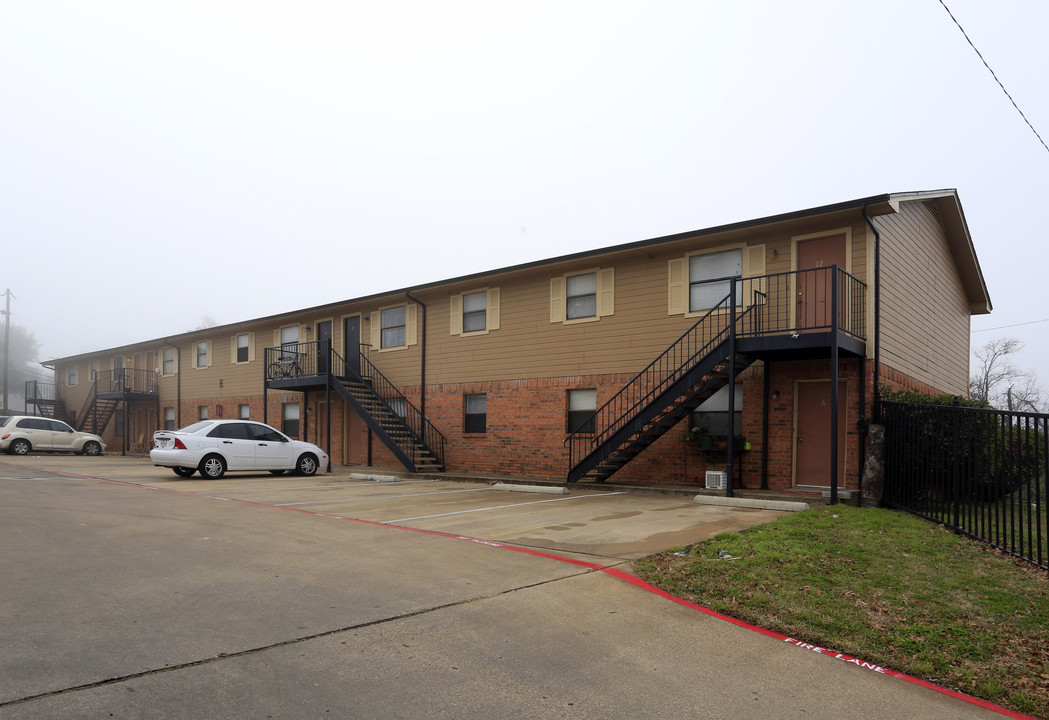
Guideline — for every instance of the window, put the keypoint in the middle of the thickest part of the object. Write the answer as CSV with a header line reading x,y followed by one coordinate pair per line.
x,y
202,354
581,407
582,297
94,370
243,348
244,412
169,418
709,278
202,412
394,326
475,311
265,433
232,431
289,335
399,405
712,414
475,418
290,419
167,366
71,377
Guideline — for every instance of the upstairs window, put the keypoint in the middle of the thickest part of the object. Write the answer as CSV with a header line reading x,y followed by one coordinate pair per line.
x,y
710,278
582,297
71,377
202,354
167,363
394,326
243,348
475,312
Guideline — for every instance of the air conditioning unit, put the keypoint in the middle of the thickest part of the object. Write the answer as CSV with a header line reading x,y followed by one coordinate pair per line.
x,y
717,479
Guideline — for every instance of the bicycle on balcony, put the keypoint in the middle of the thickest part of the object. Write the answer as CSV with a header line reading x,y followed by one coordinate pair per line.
x,y
284,368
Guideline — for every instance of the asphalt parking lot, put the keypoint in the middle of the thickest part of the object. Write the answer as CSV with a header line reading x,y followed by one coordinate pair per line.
x,y
130,592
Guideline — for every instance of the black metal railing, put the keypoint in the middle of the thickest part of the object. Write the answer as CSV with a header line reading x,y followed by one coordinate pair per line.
x,y
126,380
788,303
318,359
707,333
37,391
981,472
803,301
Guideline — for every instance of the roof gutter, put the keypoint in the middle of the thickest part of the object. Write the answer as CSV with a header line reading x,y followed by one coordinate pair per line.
x,y
876,410
178,380
422,362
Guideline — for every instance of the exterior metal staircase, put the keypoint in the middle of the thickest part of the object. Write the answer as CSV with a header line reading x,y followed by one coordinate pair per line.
x,y
42,396
96,413
393,428
398,424
688,372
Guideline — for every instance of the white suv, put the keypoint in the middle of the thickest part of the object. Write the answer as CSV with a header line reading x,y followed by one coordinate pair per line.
x,y
22,434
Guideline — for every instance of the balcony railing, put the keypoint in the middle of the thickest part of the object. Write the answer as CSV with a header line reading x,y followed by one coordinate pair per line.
x,y
126,380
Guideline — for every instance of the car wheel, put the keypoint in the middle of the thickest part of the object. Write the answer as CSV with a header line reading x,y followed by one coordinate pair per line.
x,y
307,465
184,472
278,472
20,447
92,448
213,467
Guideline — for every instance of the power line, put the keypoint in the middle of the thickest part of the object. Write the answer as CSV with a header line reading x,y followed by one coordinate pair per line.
x,y
995,76
1003,327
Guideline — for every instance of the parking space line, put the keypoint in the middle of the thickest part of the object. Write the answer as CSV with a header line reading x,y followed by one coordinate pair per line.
x,y
497,507
384,497
331,485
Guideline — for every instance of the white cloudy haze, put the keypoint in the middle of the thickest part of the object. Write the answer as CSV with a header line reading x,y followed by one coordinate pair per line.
x,y
162,162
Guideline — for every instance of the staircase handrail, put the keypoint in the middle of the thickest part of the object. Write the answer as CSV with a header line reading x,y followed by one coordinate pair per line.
x,y
81,418
652,380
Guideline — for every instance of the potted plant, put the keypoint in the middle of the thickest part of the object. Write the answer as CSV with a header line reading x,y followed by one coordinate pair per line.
x,y
701,436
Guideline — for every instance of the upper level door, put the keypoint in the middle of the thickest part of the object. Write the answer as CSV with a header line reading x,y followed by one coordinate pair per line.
x,y
814,287
323,346
351,338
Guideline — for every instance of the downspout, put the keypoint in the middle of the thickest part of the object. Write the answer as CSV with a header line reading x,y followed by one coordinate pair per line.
x,y
876,411
178,381
422,363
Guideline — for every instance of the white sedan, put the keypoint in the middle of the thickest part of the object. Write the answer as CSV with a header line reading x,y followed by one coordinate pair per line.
x,y
213,447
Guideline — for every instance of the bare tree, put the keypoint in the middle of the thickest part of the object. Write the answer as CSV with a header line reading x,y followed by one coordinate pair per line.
x,y
1000,383
22,354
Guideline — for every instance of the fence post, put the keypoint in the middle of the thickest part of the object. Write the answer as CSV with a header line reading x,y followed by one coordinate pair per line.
x,y
955,471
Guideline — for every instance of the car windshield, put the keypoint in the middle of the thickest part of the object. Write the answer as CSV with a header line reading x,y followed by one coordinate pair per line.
x,y
4,419
196,427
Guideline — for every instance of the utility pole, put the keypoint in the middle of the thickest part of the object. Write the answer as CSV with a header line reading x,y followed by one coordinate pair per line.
x,y
7,343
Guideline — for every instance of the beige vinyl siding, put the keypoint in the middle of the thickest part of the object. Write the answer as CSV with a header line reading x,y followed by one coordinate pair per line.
x,y
924,316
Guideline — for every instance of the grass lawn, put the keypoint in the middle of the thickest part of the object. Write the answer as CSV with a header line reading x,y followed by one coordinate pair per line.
x,y
885,587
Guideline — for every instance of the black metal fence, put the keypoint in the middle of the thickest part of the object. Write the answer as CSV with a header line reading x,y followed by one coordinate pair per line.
x,y
981,472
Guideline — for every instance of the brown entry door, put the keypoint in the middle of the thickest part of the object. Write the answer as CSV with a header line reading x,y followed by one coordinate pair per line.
x,y
814,286
812,440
